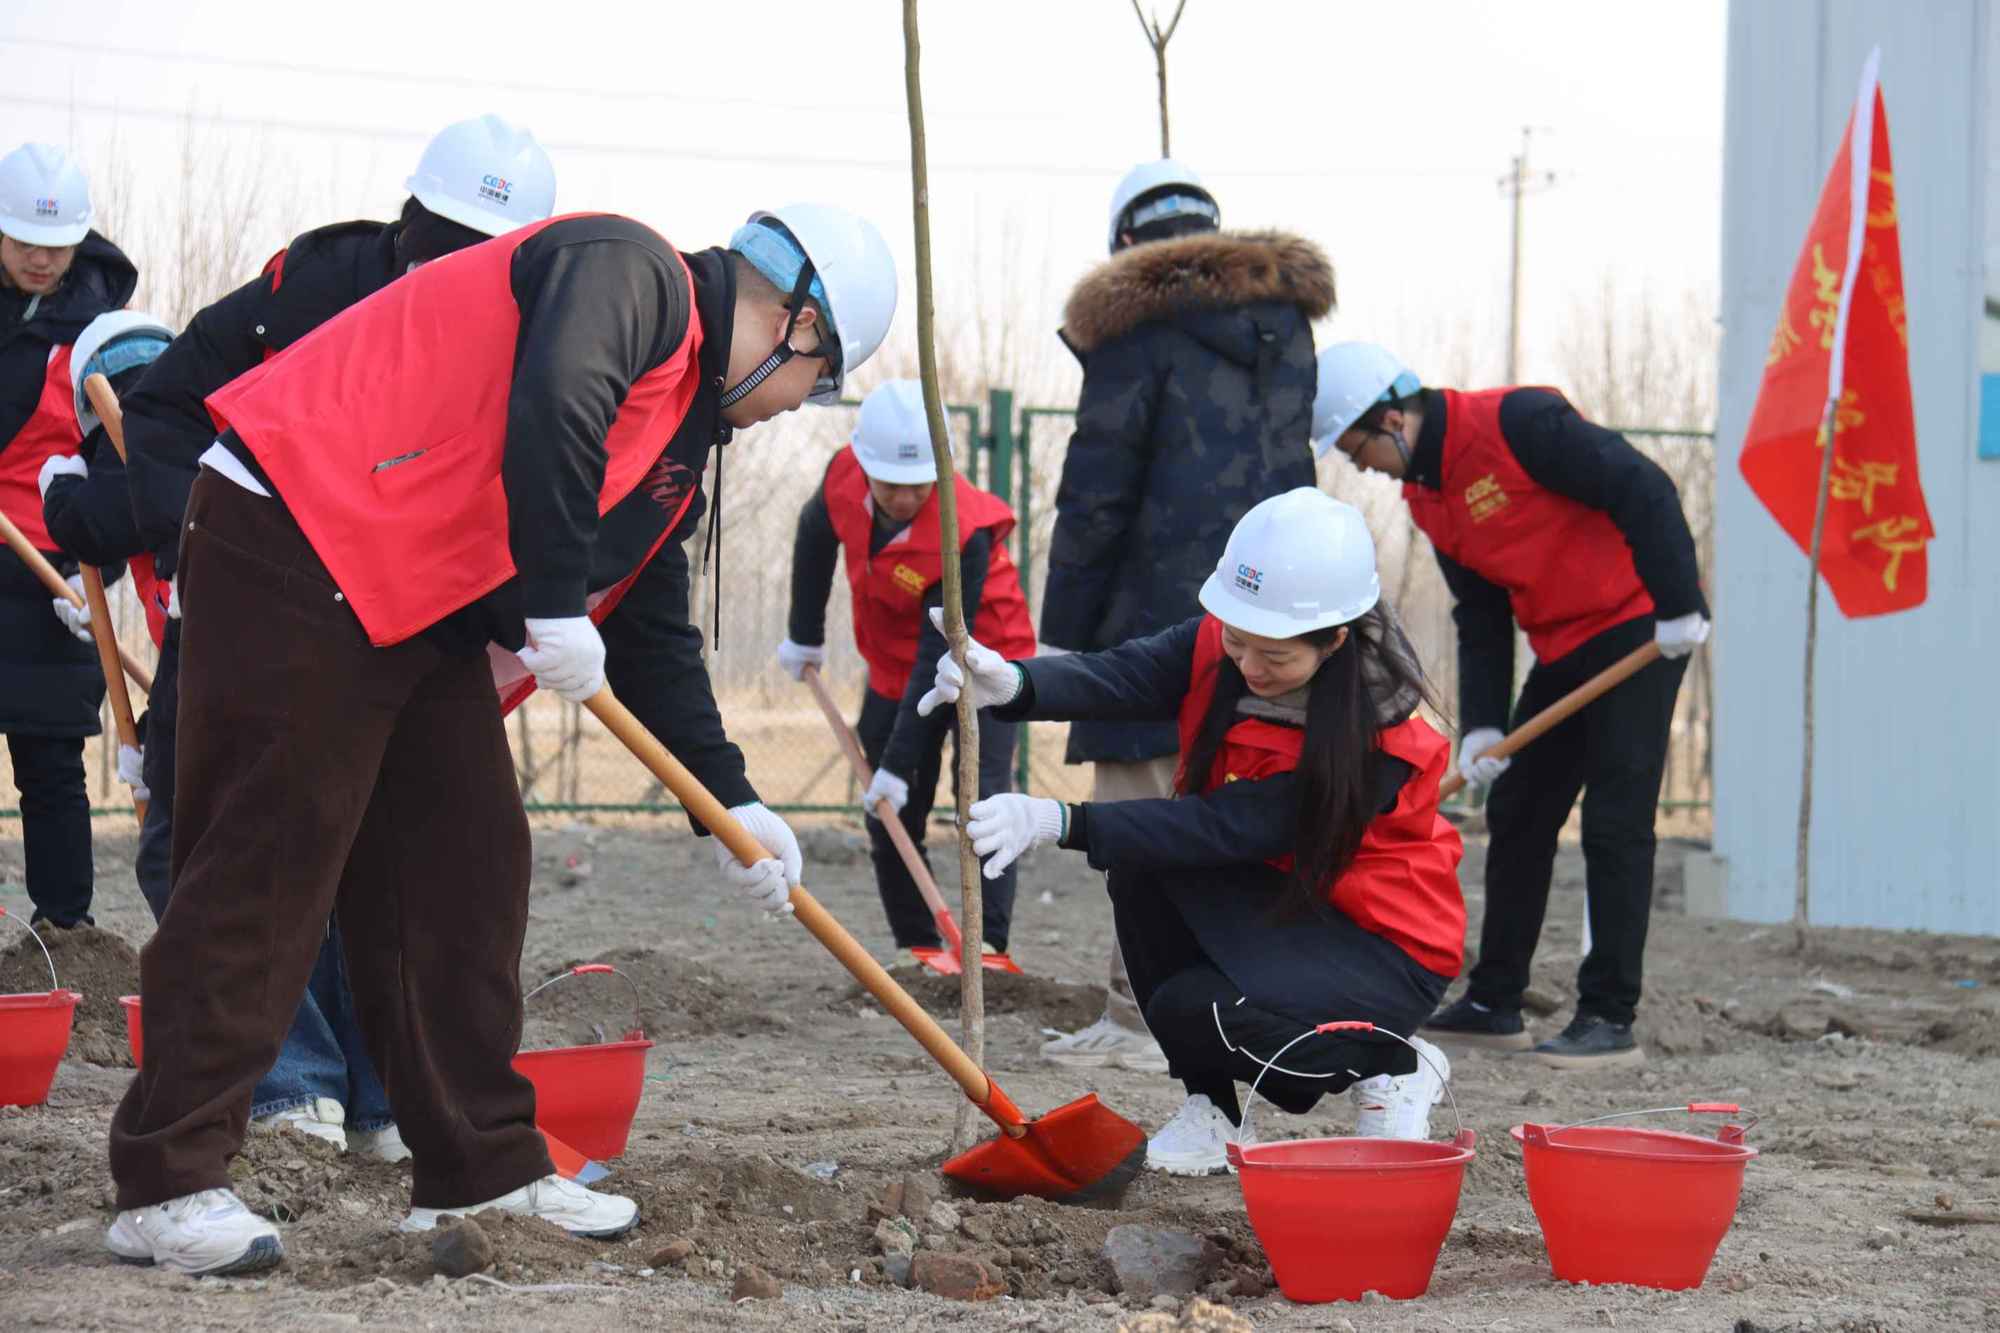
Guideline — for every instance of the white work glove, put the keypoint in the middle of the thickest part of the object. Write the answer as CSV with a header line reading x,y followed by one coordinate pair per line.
x,y
132,771
1472,766
566,655
60,465
75,617
174,598
766,883
1003,828
1681,635
885,786
995,680
796,657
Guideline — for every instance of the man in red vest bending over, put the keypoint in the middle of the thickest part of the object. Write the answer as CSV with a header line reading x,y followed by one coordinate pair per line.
x,y
441,467
878,511
1542,518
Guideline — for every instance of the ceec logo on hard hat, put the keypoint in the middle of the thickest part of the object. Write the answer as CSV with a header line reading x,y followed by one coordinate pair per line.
x,y
1250,580
48,208
496,188
907,453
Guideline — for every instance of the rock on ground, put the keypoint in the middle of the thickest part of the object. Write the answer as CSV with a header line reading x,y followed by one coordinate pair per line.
x,y
460,1248
1153,1261
956,1277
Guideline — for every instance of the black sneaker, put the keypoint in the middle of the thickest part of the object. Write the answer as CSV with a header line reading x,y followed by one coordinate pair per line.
x,y
1469,1023
1591,1042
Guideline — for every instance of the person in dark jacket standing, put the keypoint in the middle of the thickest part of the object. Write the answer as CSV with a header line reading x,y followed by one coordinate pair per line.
x,y
1304,873
56,276
1541,518
322,1083
343,591
1198,382
877,510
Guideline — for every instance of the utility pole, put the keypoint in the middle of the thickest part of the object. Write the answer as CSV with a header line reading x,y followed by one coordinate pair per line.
x,y
1516,184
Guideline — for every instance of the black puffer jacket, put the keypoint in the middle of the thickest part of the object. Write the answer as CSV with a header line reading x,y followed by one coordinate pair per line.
x,y
1198,382
50,684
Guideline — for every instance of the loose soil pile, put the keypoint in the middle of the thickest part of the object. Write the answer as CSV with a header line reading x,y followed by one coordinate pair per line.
x,y
96,962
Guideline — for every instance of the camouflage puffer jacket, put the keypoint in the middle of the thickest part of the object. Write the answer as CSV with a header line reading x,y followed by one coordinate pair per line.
x,y
1198,381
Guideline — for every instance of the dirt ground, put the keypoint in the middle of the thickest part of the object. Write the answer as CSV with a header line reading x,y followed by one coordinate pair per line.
x,y
779,1105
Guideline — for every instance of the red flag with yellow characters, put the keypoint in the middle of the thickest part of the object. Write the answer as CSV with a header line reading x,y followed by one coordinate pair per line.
x,y
1842,340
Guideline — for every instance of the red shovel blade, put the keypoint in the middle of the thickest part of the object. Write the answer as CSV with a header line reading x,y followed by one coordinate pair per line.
x,y
1000,962
1081,1151
937,960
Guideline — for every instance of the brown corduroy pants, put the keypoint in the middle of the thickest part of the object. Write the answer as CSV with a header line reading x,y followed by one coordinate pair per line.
x,y
317,771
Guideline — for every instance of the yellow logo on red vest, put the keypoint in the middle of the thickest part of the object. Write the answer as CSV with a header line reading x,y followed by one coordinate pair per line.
x,y
909,580
1484,498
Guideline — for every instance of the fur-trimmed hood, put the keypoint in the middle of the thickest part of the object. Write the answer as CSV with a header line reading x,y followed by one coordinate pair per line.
x,y
1163,279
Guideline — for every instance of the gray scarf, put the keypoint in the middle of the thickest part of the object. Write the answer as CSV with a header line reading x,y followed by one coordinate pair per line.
x,y
1383,632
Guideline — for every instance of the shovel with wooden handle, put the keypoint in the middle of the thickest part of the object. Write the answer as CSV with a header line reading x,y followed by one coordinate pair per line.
x,y
1082,1150
55,583
943,960
1560,711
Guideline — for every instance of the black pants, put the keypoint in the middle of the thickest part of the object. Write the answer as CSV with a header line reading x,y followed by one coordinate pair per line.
x,y
909,919
1615,753
152,866
1215,1038
55,825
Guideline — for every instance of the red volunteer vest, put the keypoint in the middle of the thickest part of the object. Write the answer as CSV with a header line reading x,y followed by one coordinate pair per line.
x,y
51,429
383,431
889,587
1565,566
1403,884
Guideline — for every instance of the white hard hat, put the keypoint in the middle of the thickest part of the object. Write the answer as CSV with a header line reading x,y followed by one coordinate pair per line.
x,y
139,339
44,199
1296,562
1353,377
857,273
892,437
487,175
1159,176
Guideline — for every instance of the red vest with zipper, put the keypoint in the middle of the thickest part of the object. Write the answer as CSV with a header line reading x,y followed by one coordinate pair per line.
x,y
1565,566
51,429
889,586
383,431
1403,883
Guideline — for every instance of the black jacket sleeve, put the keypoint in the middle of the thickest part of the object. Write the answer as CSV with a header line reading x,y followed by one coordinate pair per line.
x,y
815,550
1103,484
1485,618
91,517
1140,681
1600,468
603,300
652,660
907,739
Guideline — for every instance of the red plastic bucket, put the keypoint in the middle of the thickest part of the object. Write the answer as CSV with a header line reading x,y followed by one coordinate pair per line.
x,y
134,1037
34,1035
1646,1207
587,1095
1340,1217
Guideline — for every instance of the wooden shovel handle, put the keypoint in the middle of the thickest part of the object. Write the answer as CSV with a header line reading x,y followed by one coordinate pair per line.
x,y
884,811
105,399
699,802
1561,710
55,583
107,657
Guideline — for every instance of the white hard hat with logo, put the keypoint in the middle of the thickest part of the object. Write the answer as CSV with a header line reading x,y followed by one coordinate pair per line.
x,y
1353,377
44,198
487,175
853,265
1296,562
1167,178
892,437
114,342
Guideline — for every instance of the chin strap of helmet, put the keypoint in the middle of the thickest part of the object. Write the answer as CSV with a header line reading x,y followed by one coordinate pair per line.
x,y
780,354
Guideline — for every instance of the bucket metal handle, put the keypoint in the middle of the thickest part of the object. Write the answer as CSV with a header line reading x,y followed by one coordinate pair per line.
x,y
1346,1025
33,934
637,1031
1728,1133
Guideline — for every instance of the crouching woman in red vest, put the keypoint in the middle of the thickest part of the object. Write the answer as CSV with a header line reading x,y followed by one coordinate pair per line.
x,y
878,512
1302,874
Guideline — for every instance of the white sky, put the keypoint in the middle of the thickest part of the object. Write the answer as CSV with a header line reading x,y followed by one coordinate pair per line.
x,y
1379,130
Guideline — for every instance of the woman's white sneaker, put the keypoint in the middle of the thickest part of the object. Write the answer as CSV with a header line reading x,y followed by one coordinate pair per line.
x,y
207,1234
323,1118
579,1211
1194,1142
1398,1106
1105,1043
384,1144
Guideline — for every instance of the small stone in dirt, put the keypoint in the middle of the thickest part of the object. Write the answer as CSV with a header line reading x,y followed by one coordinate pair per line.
x,y
889,1203
1341,1324
462,1249
943,1216
1533,1097
1945,1202
1149,1261
673,1252
1165,1303
977,1227
895,1235
1737,1282
1373,1297
1201,1317
1249,1287
754,1284
1539,1001
955,1277
937,1240
919,1193
897,1268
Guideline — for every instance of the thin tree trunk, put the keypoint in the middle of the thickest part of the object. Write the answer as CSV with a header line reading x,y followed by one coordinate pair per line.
x,y
1802,902
972,978
1157,37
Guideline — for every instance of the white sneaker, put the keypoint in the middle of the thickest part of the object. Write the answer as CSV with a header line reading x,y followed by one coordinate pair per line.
x,y
579,1211
323,1119
1193,1143
210,1233
1398,1106
384,1144
1106,1043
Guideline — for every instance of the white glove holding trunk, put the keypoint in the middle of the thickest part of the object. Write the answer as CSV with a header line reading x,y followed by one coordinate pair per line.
x,y
567,656
995,680
1004,828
